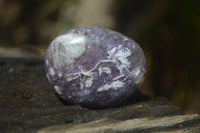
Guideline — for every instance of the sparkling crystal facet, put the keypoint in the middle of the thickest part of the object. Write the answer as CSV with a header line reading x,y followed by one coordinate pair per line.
x,y
94,67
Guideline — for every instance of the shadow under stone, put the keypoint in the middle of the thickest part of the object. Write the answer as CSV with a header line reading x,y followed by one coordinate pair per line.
x,y
136,97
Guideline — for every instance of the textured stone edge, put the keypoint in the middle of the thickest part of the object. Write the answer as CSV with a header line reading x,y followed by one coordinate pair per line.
x,y
181,123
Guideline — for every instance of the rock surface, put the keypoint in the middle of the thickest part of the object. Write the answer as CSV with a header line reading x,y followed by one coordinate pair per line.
x,y
28,104
164,124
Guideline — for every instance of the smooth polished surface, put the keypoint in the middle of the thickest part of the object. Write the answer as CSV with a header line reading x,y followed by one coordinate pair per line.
x,y
94,67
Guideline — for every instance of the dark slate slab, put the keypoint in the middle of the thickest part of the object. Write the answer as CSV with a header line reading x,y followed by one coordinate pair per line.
x,y
28,104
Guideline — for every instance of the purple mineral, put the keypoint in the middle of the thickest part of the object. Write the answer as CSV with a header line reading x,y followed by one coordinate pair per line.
x,y
94,67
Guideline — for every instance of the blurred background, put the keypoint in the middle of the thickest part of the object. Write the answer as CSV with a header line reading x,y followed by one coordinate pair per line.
x,y
167,30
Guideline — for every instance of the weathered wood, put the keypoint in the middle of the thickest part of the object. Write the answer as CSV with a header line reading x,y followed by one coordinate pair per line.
x,y
28,104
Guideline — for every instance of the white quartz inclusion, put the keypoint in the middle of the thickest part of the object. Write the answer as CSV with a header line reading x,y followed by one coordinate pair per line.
x,y
66,48
121,54
114,85
51,71
89,82
138,75
104,70
58,89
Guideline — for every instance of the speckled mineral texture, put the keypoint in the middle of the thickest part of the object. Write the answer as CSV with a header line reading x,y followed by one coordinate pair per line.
x,y
94,67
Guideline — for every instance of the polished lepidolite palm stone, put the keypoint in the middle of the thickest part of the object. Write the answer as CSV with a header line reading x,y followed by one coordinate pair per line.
x,y
94,67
